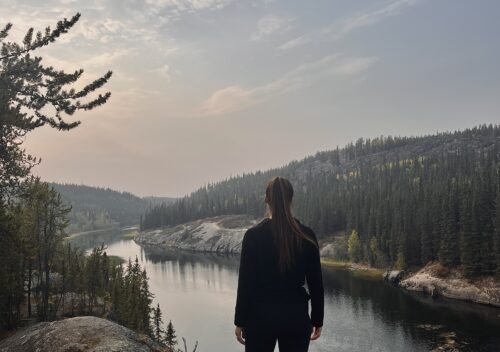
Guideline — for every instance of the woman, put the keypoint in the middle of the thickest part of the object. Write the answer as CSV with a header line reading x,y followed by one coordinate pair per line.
x,y
277,256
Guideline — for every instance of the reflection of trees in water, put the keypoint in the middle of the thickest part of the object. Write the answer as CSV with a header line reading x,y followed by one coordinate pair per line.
x,y
89,240
228,261
408,309
214,270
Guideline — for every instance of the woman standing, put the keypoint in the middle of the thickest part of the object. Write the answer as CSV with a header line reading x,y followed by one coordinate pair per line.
x,y
278,256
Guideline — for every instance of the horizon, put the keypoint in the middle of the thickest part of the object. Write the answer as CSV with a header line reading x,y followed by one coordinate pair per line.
x,y
278,166
202,91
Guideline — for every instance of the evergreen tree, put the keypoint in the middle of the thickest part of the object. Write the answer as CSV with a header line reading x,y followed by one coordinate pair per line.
x,y
496,247
157,324
32,215
470,238
354,247
170,336
449,247
33,95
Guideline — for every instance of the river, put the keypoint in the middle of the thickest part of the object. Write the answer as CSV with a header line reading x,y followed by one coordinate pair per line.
x,y
197,292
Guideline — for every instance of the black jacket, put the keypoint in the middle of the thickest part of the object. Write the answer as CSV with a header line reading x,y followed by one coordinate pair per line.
x,y
259,278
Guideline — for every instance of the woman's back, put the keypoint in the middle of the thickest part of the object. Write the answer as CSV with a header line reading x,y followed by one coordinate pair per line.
x,y
270,284
279,256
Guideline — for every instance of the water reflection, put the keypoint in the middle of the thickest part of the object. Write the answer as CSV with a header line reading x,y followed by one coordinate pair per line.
x,y
197,291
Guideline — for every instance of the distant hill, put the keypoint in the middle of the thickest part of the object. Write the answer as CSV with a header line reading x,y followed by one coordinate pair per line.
x,y
96,208
410,200
159,200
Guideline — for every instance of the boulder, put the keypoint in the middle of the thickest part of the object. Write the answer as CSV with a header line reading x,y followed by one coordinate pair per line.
x,y
393,276
328,250
79,334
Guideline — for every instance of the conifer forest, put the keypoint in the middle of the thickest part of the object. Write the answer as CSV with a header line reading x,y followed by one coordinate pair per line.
x,y
410,200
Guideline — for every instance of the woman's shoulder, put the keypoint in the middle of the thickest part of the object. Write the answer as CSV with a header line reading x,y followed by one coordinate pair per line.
x,y
305,227
308,231
258,226
260,223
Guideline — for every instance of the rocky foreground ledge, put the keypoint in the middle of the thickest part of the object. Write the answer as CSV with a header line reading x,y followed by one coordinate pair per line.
x,y
220,234
436,280
79,334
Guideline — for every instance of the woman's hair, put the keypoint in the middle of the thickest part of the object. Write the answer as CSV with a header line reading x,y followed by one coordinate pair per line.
x,y
286,230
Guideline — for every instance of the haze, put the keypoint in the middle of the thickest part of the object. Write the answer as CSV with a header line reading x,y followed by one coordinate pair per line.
x,y
206,89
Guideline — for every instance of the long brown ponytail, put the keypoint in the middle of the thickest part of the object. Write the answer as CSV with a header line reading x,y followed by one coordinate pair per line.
x,y
287,232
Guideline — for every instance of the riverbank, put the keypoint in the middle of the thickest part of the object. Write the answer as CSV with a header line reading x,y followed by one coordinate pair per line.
x,y
357,268
221,234
436,280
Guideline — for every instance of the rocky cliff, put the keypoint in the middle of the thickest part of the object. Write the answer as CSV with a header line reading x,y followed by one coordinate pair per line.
x,y
79,334
220,234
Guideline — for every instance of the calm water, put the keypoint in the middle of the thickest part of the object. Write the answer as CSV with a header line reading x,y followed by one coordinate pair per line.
x,y
197,292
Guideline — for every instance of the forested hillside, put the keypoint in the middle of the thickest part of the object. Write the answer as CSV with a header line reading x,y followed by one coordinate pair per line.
x,y
95,208
401,201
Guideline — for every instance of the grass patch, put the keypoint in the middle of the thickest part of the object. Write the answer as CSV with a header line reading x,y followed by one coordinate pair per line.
x,y
359,270
336,263
372,273
130,235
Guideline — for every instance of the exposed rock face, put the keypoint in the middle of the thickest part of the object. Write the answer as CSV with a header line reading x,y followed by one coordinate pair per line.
x,y
79,334
393,276
438,281
327,250
220,234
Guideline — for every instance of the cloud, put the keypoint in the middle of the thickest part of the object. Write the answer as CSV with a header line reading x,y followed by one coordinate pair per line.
x,y
93,63
269,25
373,17
225,100
296,42
164,71
350,24
189,5
354,66
236,98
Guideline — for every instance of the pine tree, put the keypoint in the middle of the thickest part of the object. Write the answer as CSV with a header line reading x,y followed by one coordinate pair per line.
x,y
470,237
496,247
117,287
146,298
34,95
425,228
170,336
449,247
157,324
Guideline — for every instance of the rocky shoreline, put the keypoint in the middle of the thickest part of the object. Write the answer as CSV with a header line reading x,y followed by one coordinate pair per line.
x,y
220,234
437,281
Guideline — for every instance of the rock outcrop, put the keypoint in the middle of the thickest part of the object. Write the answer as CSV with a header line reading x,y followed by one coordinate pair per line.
x,y
220,234
393,276
438,281
79,334
327,250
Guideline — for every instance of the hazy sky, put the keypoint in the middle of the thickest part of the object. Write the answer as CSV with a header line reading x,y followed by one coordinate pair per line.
x,y
206,89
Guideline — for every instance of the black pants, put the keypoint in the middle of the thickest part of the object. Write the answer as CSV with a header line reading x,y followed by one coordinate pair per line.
x,y
287,323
